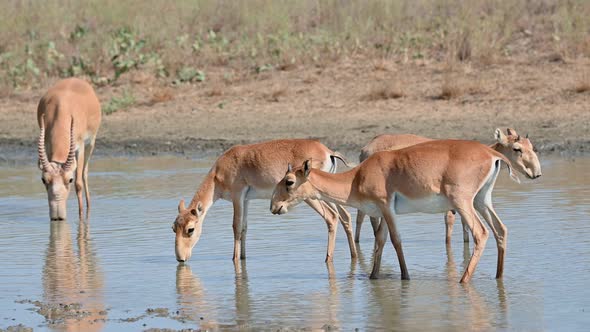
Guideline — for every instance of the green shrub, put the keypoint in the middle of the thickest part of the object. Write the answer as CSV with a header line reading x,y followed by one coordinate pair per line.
x,y
118,103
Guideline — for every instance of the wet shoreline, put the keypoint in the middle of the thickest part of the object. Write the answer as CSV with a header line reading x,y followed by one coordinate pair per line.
x,y
15,151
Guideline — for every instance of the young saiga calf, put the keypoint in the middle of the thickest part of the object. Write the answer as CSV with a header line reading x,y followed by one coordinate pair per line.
x,y
69,117
519,150
247,172
431,177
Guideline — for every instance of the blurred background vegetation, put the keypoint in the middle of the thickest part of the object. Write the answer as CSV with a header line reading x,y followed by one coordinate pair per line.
x,y
178,41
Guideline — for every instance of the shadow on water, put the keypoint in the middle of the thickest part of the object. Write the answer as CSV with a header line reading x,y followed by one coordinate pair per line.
x,y
72,281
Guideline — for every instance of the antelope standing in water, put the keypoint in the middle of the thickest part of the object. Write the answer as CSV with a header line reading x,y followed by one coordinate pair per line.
x,y
247,172
69,117
519,150
430,177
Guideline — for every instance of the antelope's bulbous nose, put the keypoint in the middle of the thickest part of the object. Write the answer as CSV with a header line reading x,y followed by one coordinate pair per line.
x,y
180,260
537,176
278,210
57,210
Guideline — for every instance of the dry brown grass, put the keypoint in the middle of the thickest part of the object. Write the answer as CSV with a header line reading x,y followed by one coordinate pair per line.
x,y
583,83
451,88
215,91
162,95
464,48
310,79
46,39
276,93
381,65
287,66
454,87
384,91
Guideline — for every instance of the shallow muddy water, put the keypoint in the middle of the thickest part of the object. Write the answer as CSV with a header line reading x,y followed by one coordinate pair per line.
x,y
117,270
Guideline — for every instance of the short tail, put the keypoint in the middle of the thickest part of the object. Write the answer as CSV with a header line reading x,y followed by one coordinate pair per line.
x,y
513,175
337,155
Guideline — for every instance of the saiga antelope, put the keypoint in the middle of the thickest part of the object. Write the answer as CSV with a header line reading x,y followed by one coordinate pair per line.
x,y
68,116
430,177
519,150
247,172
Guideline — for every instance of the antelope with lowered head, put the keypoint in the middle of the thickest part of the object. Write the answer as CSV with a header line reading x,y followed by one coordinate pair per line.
x,y
68,116
247,172
519,150
430,177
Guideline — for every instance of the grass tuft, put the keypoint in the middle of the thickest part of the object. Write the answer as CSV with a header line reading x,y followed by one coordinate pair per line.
x,y
583,83
276,94
162,95
384,91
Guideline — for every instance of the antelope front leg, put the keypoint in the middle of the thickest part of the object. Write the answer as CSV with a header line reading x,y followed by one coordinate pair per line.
x,y
331,218
395,239
244,229
87,154
238,203
79,183
449,222
346,222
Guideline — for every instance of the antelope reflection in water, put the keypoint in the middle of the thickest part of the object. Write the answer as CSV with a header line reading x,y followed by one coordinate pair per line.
x,y
70,278
325,307
192,299
466,308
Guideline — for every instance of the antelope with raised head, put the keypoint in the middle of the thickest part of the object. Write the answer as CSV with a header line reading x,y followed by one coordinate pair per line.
x,y
68,116
430,177
247,172
519,150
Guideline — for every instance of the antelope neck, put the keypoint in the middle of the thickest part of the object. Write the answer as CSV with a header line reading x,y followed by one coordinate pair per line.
x,y
333,187
206,194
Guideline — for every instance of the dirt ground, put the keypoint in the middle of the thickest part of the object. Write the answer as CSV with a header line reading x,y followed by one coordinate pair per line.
x,y
344,104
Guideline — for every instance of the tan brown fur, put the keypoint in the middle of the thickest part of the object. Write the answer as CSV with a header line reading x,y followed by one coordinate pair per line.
x,y
249,170
461,172
526,162
69,105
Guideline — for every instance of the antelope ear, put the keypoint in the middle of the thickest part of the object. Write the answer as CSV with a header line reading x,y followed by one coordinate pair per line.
x,y
198,211
181,206
500,137
511,132
307,167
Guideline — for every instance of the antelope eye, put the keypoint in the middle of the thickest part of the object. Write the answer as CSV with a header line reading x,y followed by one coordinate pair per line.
x,y
71,179
43,180
289,183
190,231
